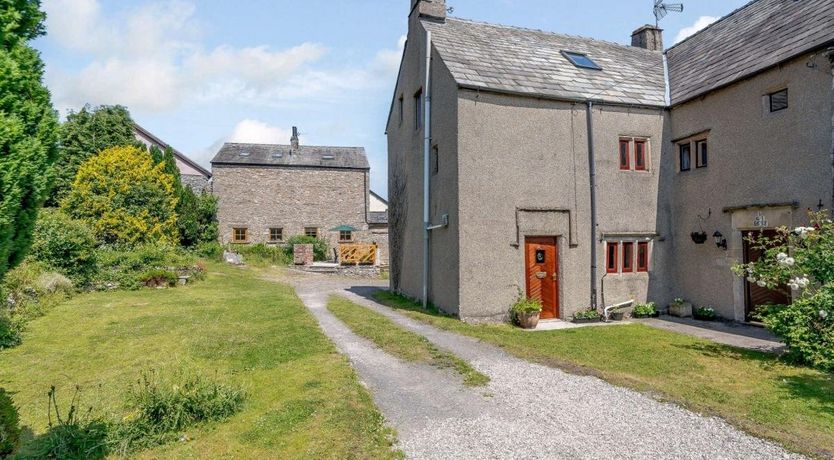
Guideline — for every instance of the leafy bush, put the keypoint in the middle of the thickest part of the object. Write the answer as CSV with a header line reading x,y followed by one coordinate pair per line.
x,y
196,218
587,314
807,326
157,278
125,198
644,309
210,250
802,259
320,247
10,331
165,406
707,313
64,244
9,428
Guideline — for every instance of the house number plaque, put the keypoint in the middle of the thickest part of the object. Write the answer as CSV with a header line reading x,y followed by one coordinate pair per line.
x,y
760,221
539,256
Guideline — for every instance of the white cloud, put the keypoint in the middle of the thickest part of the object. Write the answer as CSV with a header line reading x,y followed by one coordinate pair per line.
x,y
258,132
702,22
151,58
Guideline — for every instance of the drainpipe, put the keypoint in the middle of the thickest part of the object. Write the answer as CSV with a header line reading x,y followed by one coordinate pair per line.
x,y
593,182
426,153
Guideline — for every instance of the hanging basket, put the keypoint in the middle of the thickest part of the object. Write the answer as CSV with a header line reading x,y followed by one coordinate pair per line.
x,y
699,237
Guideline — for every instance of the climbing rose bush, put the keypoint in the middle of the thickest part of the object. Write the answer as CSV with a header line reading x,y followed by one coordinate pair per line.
x,y
802,259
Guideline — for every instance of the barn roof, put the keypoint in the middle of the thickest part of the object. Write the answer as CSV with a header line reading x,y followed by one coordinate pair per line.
x,y
285,155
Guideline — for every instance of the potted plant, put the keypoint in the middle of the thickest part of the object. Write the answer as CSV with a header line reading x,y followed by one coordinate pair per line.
x,y
587,316
525,311
680,308
705,313
645,310
617,315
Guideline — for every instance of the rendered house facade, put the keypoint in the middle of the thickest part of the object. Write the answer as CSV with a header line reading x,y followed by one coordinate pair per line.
x,y
692,139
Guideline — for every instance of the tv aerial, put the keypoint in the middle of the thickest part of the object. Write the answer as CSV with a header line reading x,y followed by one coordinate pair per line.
x,y
662,9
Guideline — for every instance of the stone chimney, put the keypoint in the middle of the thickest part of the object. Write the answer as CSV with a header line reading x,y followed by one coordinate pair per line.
x,y
431,9
648,37
294,138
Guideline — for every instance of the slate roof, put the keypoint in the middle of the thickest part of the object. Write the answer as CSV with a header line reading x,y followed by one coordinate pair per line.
x,y
284,155
530,62
759,35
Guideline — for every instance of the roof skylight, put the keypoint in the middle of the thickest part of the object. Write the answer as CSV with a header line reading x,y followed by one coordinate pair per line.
x,y
327,157
581,60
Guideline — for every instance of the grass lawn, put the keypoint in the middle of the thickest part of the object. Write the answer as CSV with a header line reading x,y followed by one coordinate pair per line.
x,y
303,399
754,391
399,342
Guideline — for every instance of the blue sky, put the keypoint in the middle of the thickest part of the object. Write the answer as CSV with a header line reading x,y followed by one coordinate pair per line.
x,y
198,73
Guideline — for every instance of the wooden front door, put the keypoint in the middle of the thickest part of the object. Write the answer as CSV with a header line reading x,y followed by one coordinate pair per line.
x,y
542,271
755,295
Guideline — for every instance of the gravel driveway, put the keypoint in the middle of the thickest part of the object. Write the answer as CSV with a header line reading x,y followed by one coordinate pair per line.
x,y
526,411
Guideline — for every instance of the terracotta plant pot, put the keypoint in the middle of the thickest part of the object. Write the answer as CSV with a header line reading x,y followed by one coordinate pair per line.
x,y
528,320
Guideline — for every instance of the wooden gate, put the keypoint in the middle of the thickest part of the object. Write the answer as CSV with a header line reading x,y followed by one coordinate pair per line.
x,y
357,254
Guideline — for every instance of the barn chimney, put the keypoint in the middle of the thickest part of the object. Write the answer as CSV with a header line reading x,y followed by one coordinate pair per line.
x,y
648,37
430,9
294,138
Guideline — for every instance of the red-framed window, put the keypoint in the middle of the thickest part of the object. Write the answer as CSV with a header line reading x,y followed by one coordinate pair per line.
x,y
640,155
625,154
611,265
643,256
628,256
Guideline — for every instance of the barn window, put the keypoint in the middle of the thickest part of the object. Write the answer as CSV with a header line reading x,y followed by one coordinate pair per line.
x,y
611,257
685,157
345,235
628,257
640,155
701,154
643,256
625,161
311,231
276,234
239,234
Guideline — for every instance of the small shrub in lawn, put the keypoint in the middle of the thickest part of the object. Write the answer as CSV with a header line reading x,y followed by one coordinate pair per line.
x,y
10,331
320,247
28,292
74,434
158,278
165,406
9,428
210,250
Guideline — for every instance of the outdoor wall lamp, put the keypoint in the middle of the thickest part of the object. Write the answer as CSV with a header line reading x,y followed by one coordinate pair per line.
x,y
720,241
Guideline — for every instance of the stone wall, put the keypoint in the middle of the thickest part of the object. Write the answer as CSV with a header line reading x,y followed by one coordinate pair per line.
x,y
292,198
197,183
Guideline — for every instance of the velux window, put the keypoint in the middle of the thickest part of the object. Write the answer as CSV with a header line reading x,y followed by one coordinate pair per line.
x,y
581,60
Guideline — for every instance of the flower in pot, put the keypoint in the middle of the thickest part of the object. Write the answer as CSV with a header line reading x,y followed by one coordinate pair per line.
x,y
705,313
680,308
587,316
525,312
644,310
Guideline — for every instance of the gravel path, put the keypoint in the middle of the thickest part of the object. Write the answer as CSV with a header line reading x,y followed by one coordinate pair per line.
x,y
527,410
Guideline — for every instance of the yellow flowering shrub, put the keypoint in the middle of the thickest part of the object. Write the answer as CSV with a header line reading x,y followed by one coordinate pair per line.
x,y
125,198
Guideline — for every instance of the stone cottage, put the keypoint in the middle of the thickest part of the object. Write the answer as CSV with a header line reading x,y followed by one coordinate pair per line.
x,y
268,193
587,173
191,174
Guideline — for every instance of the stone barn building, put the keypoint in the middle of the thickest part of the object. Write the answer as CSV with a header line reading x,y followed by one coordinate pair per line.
x,y
268,193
